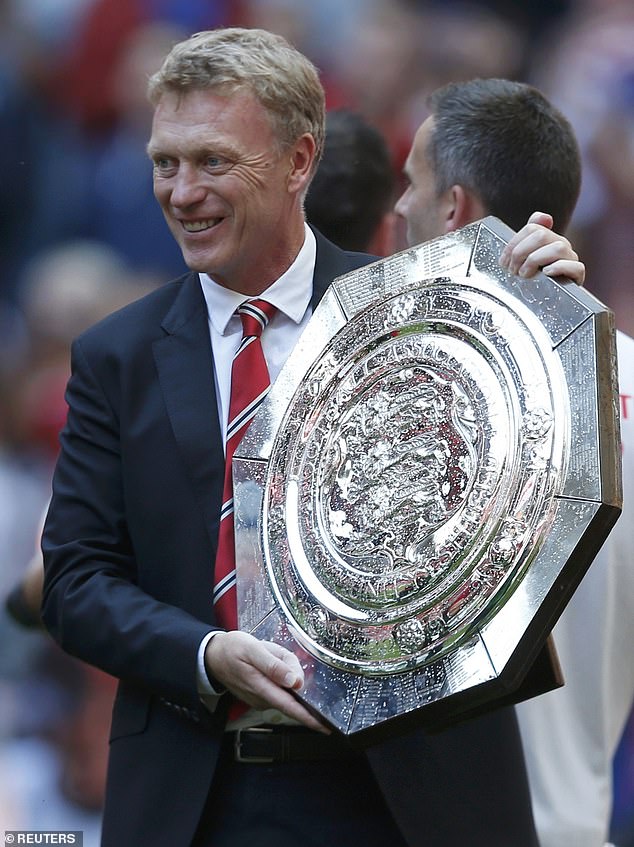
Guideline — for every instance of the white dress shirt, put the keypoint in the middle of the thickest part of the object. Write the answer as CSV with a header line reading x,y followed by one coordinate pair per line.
x,y
291,295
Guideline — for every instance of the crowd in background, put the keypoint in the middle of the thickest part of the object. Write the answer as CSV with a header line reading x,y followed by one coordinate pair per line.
x,y
81,234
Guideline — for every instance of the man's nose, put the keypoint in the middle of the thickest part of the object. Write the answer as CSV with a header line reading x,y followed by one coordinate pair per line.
x,y
187,187
400,205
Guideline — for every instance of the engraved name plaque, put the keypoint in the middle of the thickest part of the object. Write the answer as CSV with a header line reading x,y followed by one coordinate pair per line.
x,y
427,482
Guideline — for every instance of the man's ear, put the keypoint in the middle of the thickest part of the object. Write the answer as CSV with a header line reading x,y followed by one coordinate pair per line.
x,y
461,207
302,157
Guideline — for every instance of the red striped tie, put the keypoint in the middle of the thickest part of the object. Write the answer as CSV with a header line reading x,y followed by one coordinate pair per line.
x,y
249,386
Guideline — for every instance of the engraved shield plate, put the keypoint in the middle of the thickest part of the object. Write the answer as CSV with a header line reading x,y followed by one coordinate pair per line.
x,y
429,478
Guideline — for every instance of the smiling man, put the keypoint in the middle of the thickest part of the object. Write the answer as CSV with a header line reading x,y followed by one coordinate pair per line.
x,y
209,745
218,168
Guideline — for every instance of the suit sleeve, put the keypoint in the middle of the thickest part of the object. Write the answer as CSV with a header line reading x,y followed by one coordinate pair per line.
x,y
93,604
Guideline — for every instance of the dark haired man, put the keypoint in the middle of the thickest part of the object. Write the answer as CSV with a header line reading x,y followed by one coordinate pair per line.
x,y
491,147
495,147
351,197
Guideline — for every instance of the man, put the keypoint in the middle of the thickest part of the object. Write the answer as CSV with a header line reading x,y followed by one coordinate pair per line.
x,y
351,198
489,147
136,530
498,147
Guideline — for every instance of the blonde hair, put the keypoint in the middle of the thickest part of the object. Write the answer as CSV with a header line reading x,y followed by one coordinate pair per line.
x,y
282,79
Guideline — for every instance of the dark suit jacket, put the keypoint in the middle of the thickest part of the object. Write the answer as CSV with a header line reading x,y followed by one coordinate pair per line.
x,y
129,548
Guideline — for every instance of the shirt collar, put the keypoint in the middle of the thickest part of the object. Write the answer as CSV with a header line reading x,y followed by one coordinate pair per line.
x,y
290,293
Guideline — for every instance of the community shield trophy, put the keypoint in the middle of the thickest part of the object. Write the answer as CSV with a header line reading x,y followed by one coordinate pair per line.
x,y
428,480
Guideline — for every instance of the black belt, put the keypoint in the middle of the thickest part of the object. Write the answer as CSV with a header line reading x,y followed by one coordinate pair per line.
x,y
269,744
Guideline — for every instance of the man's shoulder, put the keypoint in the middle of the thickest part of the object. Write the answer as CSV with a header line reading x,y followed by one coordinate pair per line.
x,y
333,262
625,346
625,359
358,260
142,319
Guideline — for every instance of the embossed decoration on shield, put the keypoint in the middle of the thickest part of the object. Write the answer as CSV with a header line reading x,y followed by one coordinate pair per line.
x,y
397,513
411,493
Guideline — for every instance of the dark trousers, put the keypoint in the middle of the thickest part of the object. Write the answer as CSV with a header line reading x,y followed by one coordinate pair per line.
x,y
333,803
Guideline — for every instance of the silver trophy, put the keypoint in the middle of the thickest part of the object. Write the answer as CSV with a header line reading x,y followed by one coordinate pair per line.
x,y
427,482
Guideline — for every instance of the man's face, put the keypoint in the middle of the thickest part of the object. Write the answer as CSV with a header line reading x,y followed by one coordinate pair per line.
x,y
419,205
223,186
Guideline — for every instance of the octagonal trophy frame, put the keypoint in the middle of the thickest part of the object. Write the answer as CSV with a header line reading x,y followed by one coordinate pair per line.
x,y
429,478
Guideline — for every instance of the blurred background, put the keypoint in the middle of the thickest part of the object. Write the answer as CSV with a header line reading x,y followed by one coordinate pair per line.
x,y
80,235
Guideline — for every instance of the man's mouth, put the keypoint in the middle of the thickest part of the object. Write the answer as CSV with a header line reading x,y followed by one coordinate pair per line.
x,y
200,226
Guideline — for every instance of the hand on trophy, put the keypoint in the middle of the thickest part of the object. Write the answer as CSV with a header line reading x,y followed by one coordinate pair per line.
x,y
537,248
259,673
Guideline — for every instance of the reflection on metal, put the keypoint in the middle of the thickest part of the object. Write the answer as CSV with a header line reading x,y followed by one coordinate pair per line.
x,y
428,480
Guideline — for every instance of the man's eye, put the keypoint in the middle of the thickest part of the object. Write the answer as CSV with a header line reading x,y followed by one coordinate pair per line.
x,y
163,163
217,164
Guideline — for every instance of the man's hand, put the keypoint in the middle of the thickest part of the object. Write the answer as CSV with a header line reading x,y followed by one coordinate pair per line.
x,y
537,248
260,673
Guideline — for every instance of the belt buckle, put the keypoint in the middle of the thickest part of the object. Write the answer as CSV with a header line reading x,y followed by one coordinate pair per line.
x,y
237,746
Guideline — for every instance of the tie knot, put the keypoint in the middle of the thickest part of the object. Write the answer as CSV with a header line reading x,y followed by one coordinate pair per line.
x,y
255,315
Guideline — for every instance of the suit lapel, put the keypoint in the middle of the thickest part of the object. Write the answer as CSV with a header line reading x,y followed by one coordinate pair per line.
x,y
185,369
184,363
